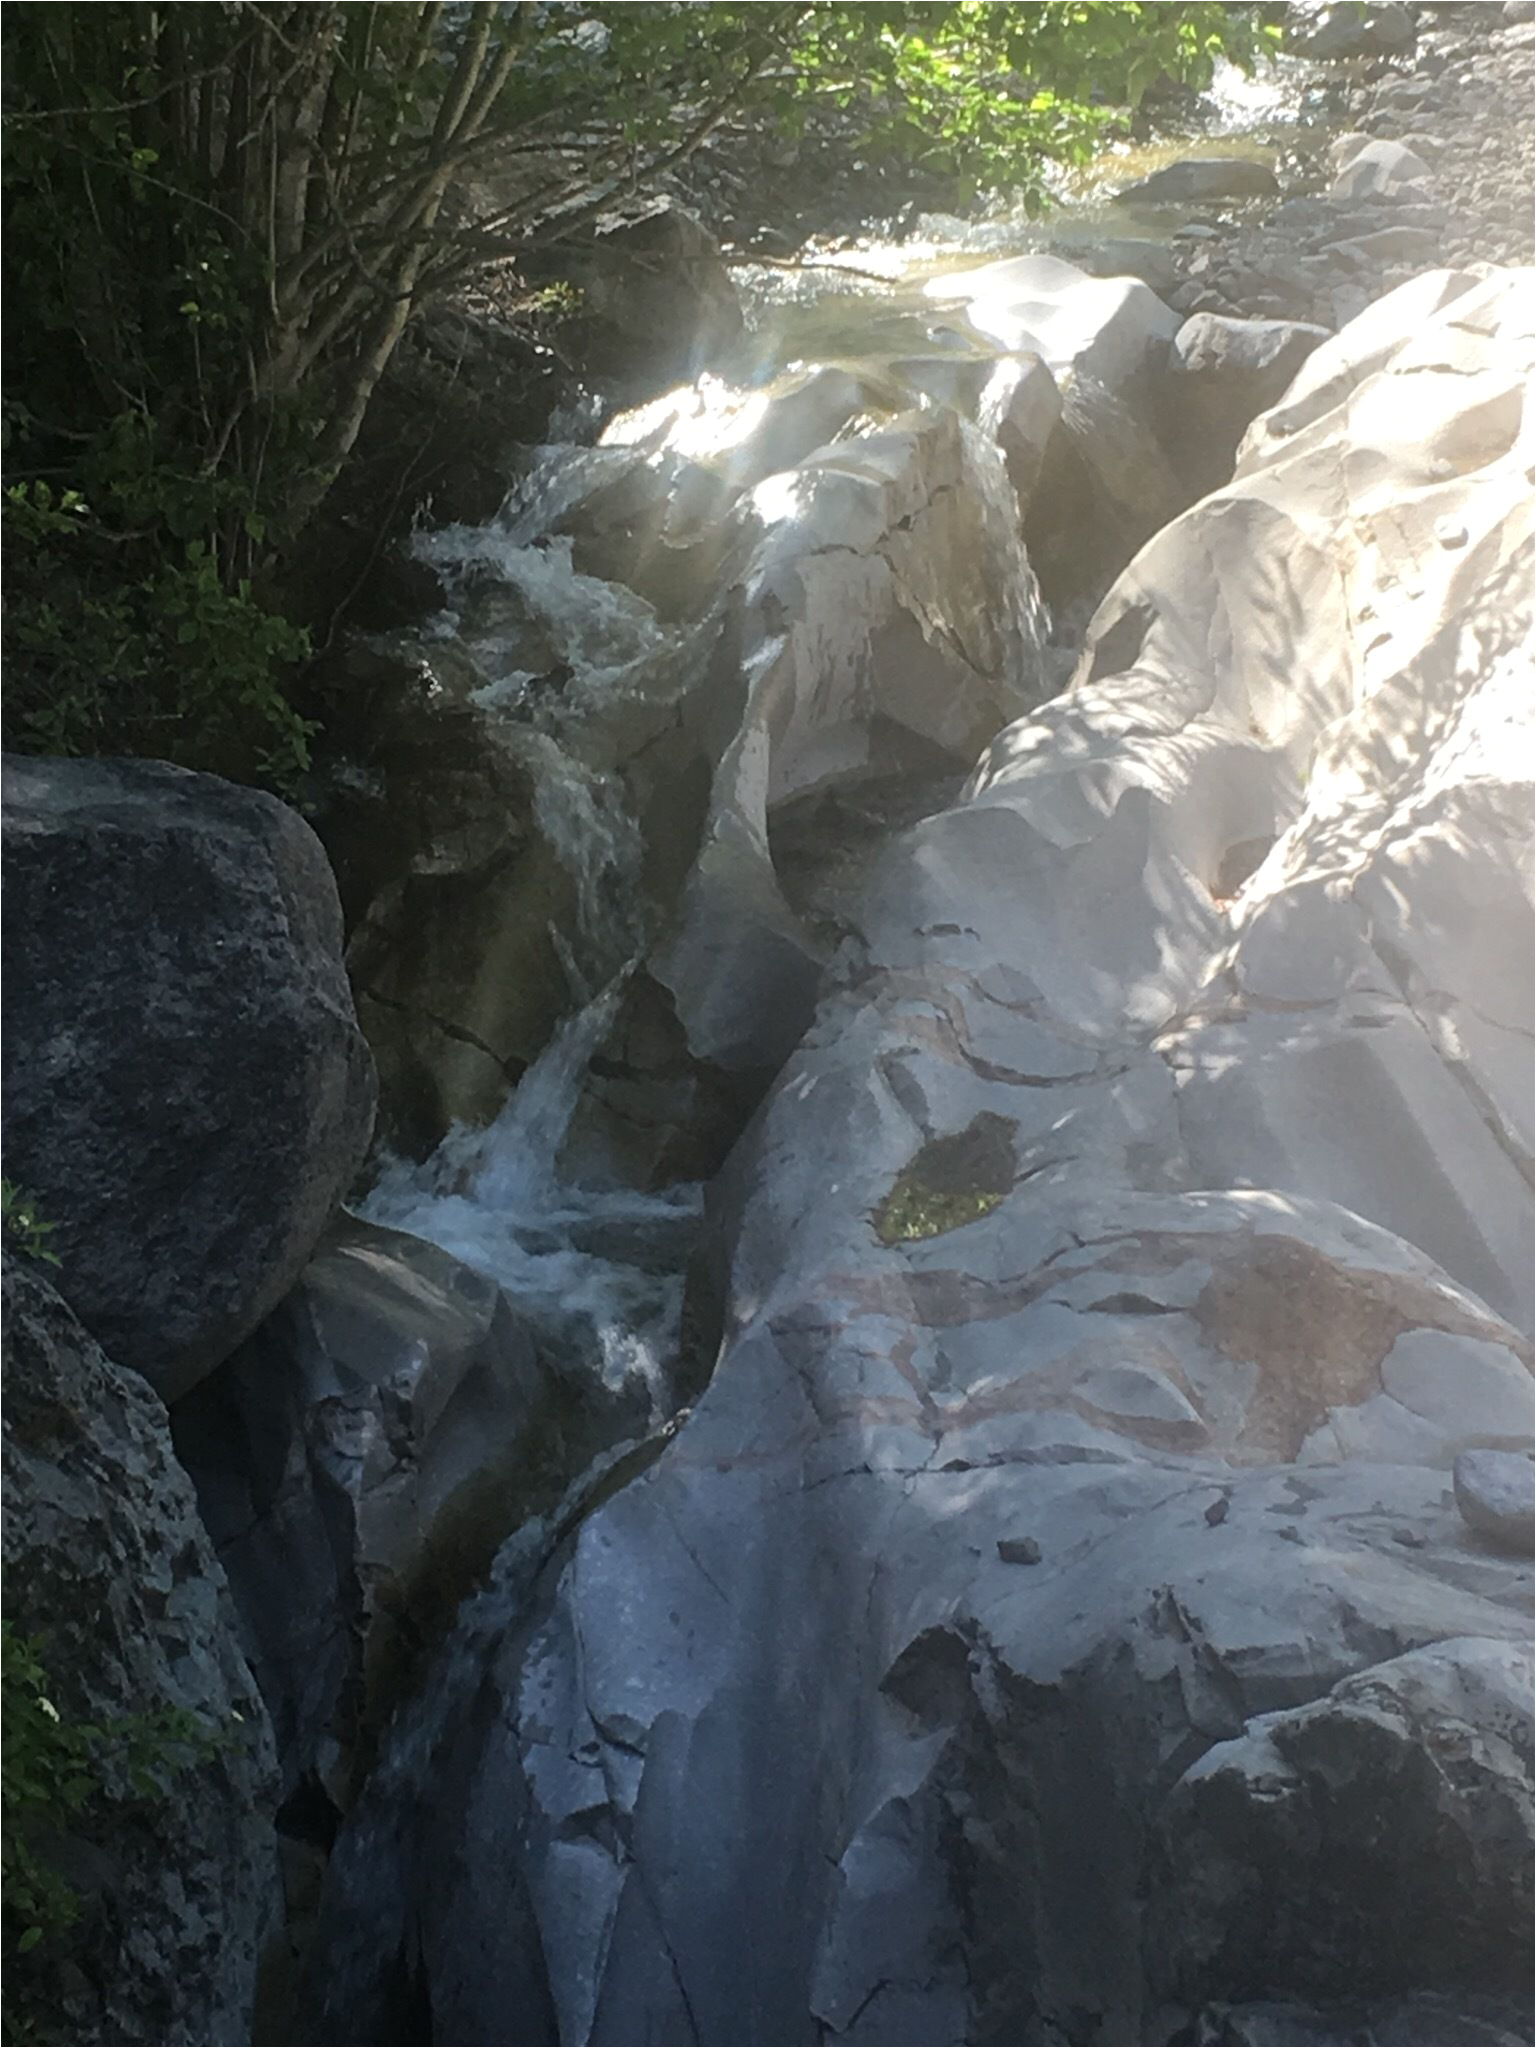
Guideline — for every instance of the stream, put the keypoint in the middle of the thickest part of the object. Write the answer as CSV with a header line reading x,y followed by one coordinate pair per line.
x,y
571,664
504,1199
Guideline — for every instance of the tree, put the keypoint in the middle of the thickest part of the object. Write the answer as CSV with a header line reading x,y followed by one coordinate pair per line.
x,y
222,217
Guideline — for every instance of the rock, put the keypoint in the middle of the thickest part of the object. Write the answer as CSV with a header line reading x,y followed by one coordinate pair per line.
x,y
1380,169
745,436
1210,993
187,1093
1385,245
358,1463
1109,329
1354,31
889,604
1439,1739
1021,409
1226,372
657,303
1104,482
464,841
1494,1490
1343,150
107,1563
1123,256
1197,178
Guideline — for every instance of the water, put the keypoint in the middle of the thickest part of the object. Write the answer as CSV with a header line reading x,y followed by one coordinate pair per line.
x,y
562,661
593,1267
558,657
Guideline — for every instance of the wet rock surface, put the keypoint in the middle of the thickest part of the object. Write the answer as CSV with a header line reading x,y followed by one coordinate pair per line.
x,y
187,1093
1038,1573
109,1566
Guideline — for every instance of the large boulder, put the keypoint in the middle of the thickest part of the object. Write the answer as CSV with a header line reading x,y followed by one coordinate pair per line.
x,y
108,1565
1111,1282
887,619
187,1094
1107,328
1103,482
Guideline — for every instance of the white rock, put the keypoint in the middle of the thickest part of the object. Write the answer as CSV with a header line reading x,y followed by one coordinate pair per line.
x,y
1380,169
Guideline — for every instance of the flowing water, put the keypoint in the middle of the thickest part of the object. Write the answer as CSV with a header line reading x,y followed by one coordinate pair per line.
x,y
559,658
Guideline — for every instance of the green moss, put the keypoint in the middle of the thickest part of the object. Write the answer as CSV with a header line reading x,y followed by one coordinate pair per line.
x,y
950,1182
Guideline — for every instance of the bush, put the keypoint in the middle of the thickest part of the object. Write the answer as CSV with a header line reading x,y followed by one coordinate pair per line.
x,y
53,1771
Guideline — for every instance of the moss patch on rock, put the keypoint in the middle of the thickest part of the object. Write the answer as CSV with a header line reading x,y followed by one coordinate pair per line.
x,y
950,1182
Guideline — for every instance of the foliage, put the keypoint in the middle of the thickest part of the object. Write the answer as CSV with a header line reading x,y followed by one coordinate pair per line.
x,y
221,217
912,1211
23,1225
52,1770
951,1182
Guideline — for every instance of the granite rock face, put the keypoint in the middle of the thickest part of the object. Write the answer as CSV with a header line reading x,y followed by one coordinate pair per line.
x,y
108,1564
1110,1283
187,1094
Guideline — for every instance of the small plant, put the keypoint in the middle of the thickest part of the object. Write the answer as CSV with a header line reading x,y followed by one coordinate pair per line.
x,y
951,1182
52,1770
24,1227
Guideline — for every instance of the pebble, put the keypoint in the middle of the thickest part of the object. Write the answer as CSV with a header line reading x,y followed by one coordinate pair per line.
x,y
1018,1550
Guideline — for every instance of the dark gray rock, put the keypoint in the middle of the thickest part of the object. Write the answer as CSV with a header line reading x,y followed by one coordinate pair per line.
x,y
358,1463
107,1561
1352,30
657,301
1224,374
1496,1493
187,1094
1435,1746
451,890
1202,177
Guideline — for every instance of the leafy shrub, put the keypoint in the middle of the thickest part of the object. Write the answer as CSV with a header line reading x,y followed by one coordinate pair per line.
x,y
53,1771
23,1225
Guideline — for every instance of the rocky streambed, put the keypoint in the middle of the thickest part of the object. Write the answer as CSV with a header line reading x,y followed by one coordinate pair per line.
x,y
918,1428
